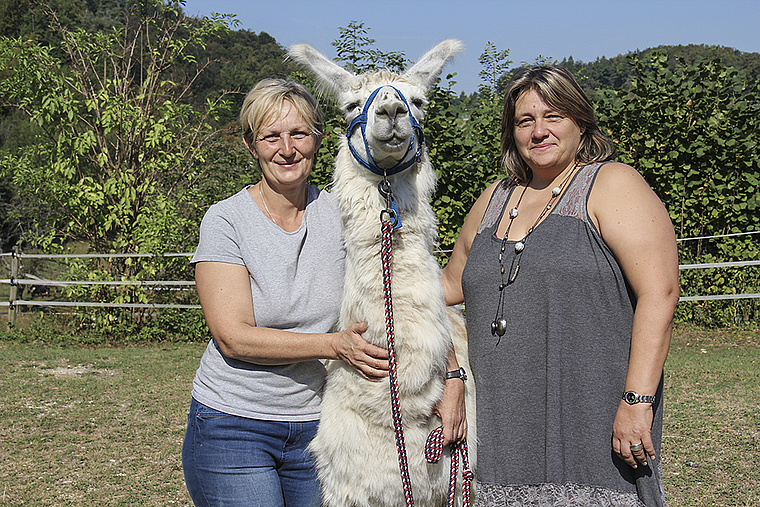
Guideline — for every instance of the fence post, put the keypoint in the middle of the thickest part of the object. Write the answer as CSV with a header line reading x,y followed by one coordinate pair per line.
x,y
14,287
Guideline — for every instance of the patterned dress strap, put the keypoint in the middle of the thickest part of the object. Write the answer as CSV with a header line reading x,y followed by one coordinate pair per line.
x,y
496,205
575,199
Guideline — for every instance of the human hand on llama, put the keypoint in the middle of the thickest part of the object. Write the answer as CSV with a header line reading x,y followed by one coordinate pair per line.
x,y
369,361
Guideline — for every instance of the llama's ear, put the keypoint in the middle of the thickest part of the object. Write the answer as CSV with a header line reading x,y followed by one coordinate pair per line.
x,y
425,71
329,75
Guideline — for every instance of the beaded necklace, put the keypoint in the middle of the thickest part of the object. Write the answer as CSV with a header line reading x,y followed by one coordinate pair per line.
x,y
499,324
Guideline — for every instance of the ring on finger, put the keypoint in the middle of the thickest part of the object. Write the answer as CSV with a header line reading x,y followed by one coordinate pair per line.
x,y
636,447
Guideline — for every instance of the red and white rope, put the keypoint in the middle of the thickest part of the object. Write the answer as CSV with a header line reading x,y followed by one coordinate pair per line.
x,y
434,444
433,453
398,427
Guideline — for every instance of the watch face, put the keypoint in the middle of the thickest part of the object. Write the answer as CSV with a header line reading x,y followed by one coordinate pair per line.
x,y
630,397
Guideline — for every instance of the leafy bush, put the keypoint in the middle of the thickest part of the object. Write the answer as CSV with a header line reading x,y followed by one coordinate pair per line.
x,y
693,132
129,162
165,326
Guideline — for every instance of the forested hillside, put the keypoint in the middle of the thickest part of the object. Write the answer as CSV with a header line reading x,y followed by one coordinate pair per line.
x,y
617,72
117,129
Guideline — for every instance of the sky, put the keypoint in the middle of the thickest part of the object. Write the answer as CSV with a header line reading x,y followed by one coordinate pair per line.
x,y
557,29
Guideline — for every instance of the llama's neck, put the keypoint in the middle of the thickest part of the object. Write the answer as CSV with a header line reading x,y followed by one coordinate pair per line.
x,y
415,272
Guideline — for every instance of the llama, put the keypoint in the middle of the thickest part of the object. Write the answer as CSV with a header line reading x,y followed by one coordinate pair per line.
x,y
354,449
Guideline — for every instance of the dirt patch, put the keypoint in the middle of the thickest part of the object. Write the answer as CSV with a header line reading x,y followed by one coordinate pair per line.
x,y
68,371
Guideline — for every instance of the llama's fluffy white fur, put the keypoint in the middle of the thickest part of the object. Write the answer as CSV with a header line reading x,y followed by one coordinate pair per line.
x,y
354,448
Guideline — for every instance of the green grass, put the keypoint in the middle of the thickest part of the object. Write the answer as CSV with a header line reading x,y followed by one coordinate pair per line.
x,y
104,425
711,433
94,426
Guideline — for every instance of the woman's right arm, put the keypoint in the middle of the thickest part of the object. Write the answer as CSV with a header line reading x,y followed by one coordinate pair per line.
x,y
225,293
451,275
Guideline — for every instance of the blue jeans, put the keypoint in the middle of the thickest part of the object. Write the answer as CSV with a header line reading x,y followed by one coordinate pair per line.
x,y
236,461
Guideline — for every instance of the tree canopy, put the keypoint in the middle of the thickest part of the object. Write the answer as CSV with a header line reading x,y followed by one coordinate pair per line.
x,y
117,126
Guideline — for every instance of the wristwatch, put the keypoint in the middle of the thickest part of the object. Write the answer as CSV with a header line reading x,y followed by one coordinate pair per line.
x,y
632,397
460,374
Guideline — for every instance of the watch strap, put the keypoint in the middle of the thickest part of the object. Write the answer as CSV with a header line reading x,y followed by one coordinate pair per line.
x,y
460,374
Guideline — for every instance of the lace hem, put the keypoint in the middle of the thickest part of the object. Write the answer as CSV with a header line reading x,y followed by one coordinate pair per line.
x,y
552,495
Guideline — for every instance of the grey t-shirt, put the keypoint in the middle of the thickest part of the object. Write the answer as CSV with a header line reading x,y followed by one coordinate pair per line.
x,y
296,284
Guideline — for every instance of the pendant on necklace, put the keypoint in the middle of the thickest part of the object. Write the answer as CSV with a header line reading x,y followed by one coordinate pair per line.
x,y
519,246
513,213
499,327
556,191
514,274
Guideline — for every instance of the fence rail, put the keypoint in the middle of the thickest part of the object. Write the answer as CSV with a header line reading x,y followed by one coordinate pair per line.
x,y
74,304
63,283
18,279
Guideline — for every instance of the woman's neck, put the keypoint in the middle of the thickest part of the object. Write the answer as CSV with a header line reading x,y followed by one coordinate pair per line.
x,y
284,208
544,178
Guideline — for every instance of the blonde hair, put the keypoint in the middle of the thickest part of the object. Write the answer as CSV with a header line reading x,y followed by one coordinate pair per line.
x,y
265,102
558,88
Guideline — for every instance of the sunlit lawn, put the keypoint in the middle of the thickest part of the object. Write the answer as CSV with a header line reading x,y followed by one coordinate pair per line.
x,y
104,426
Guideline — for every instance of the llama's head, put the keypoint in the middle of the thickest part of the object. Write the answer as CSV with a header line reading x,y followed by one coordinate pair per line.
x,y
384,110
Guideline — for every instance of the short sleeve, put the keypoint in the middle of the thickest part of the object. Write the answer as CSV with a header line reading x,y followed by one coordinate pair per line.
x,y
219,240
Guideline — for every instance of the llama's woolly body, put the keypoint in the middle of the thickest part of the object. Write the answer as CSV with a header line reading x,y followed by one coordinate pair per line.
x,y
354,449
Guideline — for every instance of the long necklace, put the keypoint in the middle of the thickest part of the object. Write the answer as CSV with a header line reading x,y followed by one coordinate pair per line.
x,y
265,205
499,324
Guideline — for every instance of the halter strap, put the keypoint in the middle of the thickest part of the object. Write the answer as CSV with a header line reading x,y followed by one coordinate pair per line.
x,y
370,164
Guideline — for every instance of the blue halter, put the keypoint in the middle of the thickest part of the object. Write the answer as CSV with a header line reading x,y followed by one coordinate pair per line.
x,y
371,164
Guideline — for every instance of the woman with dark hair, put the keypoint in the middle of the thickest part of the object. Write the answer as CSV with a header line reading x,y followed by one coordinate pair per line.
x,y
569,273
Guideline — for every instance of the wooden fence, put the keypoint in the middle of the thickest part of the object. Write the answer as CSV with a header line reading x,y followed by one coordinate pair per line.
x,y
19,277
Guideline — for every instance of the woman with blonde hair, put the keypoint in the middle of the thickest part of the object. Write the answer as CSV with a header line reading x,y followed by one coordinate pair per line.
x,y
269,274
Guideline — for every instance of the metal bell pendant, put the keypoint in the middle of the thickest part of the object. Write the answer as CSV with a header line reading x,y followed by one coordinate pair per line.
x,y
499,327
519,246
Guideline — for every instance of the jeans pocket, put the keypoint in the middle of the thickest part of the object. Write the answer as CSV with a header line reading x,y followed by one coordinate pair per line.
x,y
204,412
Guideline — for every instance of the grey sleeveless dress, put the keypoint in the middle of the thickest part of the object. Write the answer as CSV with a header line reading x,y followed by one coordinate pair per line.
x,y
548,390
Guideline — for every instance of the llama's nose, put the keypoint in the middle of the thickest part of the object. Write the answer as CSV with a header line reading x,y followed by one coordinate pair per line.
x,y
390,105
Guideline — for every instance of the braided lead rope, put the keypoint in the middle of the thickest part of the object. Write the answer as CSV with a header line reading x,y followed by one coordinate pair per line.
x,y
385,252
467,475
433,453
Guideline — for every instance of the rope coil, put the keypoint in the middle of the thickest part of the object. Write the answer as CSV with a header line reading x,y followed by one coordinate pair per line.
x,y
433,453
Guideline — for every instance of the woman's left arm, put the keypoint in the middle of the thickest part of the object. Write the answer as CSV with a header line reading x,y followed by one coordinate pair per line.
x,y
451,407
635,225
